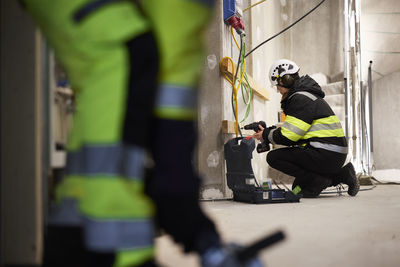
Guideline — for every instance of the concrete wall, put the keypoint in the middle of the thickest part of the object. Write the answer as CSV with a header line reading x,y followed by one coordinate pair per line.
x,y
380,37
386,127
316,42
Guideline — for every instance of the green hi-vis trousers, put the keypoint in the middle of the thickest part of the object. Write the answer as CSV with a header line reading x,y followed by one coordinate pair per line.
x,y
112,61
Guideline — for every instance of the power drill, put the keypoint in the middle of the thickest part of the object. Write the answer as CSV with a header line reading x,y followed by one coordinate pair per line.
x,y
254,126
261,147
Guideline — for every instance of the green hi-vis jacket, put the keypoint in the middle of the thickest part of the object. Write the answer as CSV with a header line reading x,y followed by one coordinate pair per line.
x,y
309,119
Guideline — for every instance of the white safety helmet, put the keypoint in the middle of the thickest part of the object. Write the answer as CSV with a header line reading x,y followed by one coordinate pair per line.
x,y
280,68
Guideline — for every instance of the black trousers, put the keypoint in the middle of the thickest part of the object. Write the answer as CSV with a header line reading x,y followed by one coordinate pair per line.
x,y
311,167
174,186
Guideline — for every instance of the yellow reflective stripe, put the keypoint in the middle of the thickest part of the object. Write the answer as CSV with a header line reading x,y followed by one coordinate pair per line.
x,y
290,135
294,128
325,133
135,257
170,113
106,198
327,120
302,125
325,127
70,187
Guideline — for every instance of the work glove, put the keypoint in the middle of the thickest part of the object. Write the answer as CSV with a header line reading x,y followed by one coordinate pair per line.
x,y
227,257
266,133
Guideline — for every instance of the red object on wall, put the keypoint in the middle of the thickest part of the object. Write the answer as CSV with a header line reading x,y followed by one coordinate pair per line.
x,y
237,24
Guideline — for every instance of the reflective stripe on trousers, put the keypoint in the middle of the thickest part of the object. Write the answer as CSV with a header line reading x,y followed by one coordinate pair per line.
x,y
104,235
330,147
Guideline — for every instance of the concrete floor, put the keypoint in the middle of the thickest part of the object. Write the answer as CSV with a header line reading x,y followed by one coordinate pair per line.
x,y
328,231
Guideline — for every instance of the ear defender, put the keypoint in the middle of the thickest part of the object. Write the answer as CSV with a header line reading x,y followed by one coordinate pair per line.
x,y
286,81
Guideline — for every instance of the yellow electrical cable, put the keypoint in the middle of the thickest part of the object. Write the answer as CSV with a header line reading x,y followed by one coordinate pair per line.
x,y
234,38
234,88
247,8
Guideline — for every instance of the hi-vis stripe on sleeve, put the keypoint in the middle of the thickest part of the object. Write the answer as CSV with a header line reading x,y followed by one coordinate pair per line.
x,y
325,127
176,102
294,128
271,136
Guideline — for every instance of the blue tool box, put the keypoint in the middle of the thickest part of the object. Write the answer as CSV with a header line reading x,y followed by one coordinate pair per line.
x,y
240,176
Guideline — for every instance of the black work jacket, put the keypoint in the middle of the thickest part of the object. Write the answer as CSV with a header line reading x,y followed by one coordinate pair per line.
x,y
309,119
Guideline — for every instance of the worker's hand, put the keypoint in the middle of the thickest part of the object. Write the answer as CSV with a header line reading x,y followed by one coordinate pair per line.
x,y
259,135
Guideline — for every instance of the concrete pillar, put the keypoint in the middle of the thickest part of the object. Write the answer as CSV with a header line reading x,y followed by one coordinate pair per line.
x,y
21,132
386,129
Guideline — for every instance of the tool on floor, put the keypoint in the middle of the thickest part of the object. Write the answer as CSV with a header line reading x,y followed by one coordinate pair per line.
x,y
240,176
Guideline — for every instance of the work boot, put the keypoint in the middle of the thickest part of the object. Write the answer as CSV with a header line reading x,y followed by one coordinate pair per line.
x,y
314,187
309,194
299,181
350,179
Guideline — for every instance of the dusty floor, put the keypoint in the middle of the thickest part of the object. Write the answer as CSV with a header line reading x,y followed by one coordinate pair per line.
x,y
328,231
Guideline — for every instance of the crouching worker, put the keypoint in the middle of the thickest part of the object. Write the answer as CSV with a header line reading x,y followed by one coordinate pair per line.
x,y
316,145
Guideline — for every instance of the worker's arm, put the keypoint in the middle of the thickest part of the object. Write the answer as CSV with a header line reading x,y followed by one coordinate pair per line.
x,y
299,116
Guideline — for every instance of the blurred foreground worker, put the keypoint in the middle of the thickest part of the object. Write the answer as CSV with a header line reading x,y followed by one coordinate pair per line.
x,y
317,146
135,68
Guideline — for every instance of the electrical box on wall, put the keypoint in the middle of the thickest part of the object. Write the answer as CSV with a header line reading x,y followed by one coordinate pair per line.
x,y
233,15
232,8
229,9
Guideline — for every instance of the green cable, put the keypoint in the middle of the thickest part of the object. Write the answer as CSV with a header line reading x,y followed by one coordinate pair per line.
x,y
245,86
250,97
